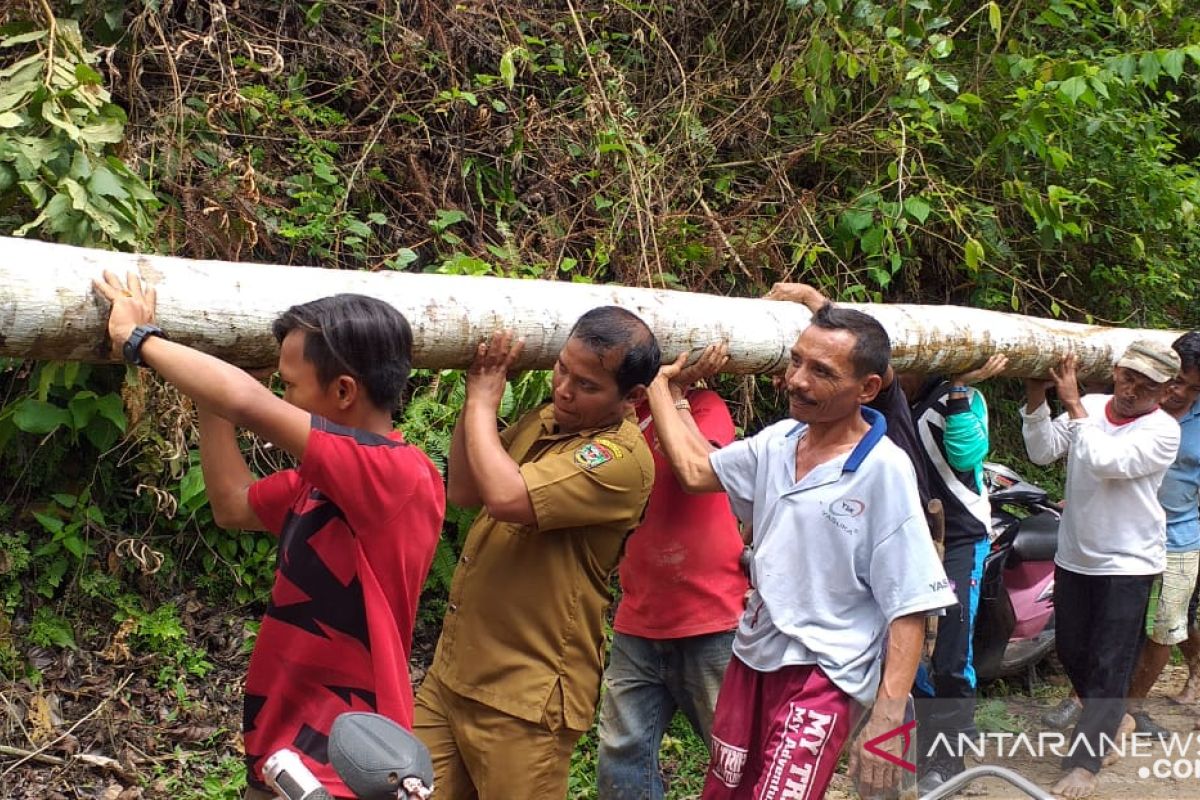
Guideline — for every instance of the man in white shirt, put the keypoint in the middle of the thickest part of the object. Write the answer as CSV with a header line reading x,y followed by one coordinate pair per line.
x,y
842,556
1112,539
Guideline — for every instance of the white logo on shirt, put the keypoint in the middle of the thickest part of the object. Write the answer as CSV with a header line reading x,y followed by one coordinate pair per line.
x,y
789,776
843,512
728,762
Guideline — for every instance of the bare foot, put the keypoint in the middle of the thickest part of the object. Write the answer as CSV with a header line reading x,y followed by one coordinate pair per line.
x,y
1190,693
1075,784
1126,728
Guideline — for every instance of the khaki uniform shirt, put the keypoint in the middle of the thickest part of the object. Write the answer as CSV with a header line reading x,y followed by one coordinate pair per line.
x,y
525,621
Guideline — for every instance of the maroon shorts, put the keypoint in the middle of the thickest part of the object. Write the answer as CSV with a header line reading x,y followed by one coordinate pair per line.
x,y
776,735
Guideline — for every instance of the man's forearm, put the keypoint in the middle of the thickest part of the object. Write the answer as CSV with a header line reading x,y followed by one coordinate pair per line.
x,y
686,452
501,487
227,478
905,637
461,486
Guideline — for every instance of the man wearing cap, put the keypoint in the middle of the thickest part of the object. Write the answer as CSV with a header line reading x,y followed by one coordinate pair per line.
x,y
1112,539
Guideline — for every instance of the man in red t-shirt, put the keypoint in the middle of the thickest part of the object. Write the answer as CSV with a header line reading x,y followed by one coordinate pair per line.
x,y
358,520
682,592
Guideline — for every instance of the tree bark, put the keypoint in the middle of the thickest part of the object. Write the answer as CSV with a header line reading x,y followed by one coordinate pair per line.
x,y
48,310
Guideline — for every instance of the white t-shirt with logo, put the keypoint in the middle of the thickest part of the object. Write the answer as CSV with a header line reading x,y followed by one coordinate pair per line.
x,y
838,555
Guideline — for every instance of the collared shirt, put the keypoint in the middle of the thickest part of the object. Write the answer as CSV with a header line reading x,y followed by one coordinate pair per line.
x,y
1181,485
838,554
524,625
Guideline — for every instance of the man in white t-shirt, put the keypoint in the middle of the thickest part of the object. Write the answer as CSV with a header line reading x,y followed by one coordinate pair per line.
x,y
842,557
1112,539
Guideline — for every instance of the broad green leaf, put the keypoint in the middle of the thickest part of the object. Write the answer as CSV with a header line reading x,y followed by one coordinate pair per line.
x,y
111,408
404,256
1149,68
942,46
65,500
356,226
994,17
323,171
11,119
819,58
101,435
106,184
82,407
948,80
87,76
108,131
872,241
51,524
40,417
1172,62
973,254
31,63
857,220
191,489
1073,88
17,95
24,38
508,69
53,113
74,543
917,208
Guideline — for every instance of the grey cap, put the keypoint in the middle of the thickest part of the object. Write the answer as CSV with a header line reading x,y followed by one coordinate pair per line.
x,y
1158,362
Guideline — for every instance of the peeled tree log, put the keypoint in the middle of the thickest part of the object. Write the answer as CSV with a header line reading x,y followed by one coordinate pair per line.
x,y
48,310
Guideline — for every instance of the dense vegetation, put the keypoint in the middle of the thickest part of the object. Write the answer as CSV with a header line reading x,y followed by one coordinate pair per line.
x,y
1035,156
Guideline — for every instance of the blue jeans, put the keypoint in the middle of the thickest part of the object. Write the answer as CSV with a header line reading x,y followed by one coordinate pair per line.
x,y
647,680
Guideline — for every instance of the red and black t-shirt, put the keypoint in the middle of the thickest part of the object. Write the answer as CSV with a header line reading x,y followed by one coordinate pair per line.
x,y
358,523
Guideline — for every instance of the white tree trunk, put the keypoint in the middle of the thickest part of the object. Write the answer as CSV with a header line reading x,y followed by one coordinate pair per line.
x,y
48,310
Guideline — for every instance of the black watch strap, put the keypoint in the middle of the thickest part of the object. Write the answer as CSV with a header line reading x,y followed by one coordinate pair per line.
x,y
132,351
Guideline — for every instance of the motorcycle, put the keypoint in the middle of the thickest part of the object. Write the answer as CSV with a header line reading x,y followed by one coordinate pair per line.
x,y
1014,626
376,759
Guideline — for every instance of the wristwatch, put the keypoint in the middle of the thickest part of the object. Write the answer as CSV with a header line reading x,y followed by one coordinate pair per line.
x,y
132,350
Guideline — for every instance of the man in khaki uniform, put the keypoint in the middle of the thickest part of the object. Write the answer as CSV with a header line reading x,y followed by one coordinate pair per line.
x,y
516,676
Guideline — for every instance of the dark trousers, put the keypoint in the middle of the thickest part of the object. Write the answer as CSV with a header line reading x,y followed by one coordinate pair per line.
x,y
1099,626
946,699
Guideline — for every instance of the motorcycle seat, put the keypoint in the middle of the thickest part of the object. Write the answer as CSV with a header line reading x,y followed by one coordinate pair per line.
x,y
1037,538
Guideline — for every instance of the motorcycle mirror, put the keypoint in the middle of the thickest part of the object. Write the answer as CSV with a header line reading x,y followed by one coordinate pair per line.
x,y
373,755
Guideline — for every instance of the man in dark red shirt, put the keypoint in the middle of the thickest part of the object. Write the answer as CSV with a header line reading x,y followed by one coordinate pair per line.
x,y
358,520
682,592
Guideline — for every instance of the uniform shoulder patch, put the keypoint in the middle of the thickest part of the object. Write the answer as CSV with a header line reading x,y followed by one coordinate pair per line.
x,y
594,454
611,445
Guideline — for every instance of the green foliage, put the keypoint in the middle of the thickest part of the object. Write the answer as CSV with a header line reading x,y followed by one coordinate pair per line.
x,y
161,632
222,778
51,630
240,564
59,125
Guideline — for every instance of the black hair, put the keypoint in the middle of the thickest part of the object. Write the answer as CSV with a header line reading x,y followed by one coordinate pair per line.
x,y
872,351
1188,348
609,328
355,335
